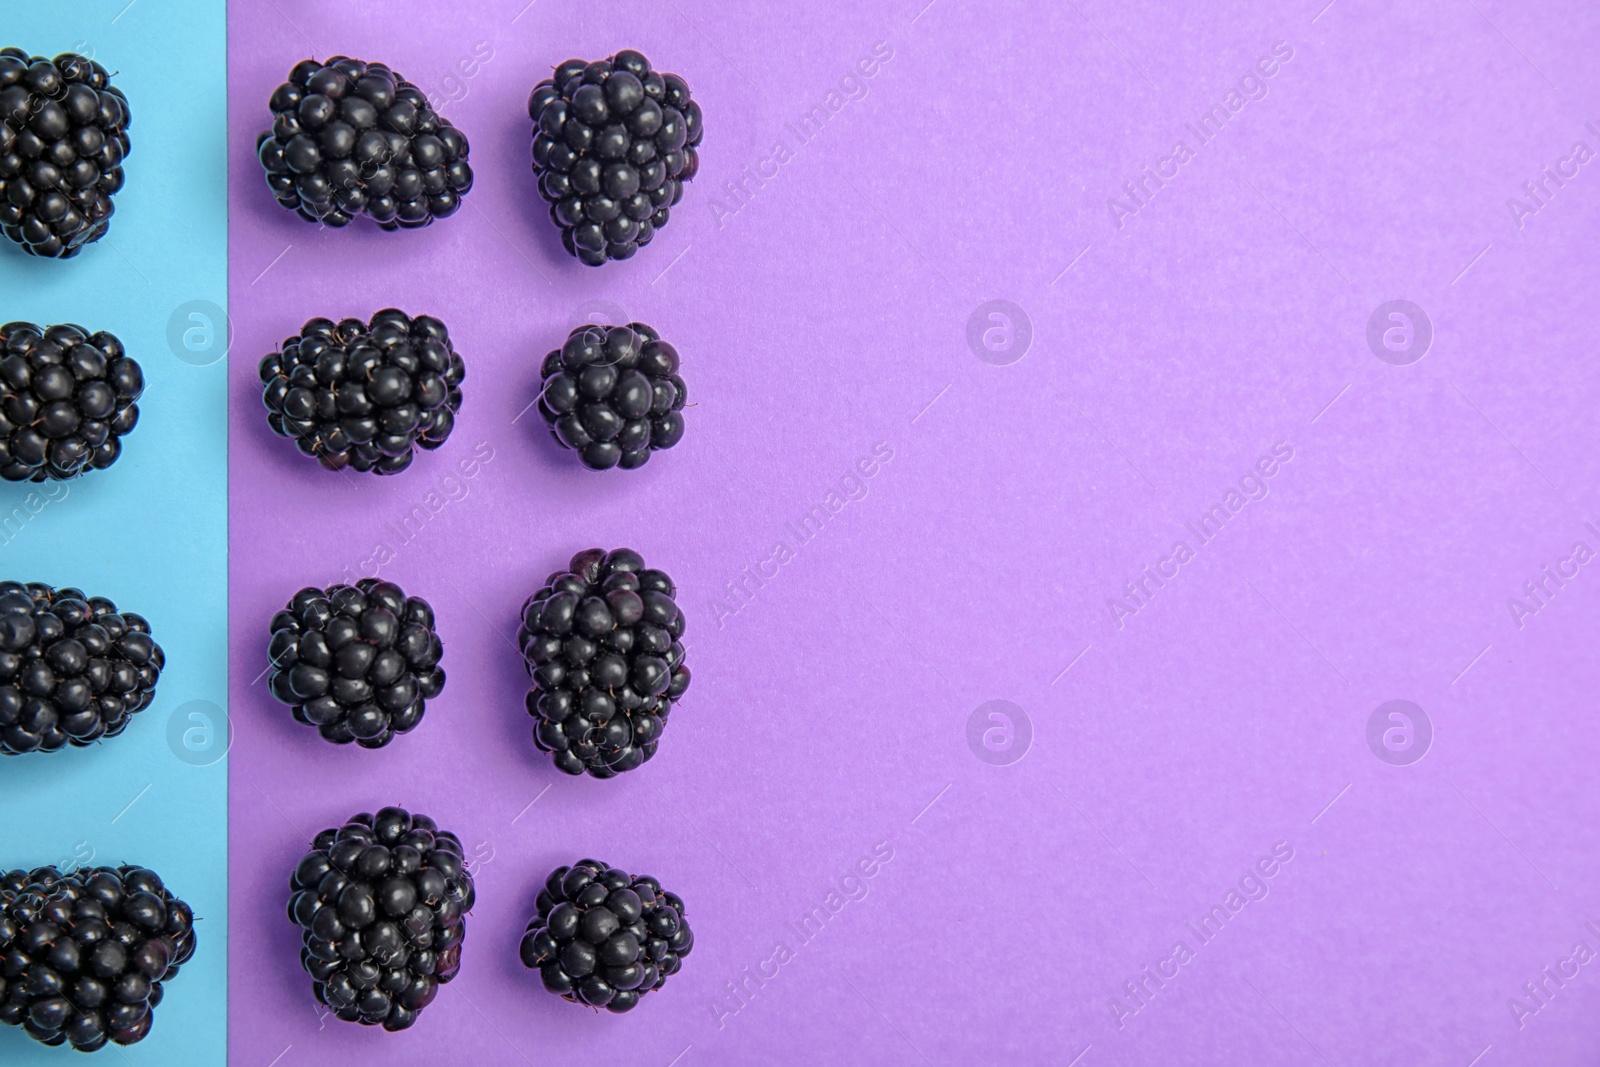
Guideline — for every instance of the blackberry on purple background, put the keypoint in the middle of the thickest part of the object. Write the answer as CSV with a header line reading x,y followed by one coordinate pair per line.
x,y
613,143
73,669
614,394
357,662
84,955
365,395
351,138
63,137
67,398
605,938
382,906
601,642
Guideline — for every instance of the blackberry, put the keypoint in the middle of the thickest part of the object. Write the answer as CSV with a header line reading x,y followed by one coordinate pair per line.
x,y
605,938
381,903
352,138
613,393
357,662
73,669
601,643
67,398
613,143
84,954
362,395
63,137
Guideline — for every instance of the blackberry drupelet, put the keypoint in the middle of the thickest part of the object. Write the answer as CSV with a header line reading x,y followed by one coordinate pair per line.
x,y
613,143
84,955
362,395
613,393
67,398
72,668
352,138
63,137
601,643
382,904
357,662
605,938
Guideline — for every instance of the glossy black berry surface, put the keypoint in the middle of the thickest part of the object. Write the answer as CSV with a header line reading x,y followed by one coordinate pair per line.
x,y
73,669
365,395
84,955
382,905
601,642
351,138
614,394
605,938
357,662
613,144
63,137
67,398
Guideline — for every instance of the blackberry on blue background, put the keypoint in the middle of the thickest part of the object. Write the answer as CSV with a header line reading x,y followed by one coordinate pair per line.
x,y
351,138
63,137
67,398
73,669
357,662
365,395
614,394
601,642
613,143
84,955
382,906
605,938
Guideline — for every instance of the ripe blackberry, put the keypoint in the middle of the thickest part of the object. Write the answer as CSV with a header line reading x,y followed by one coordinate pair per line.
x,y
601,643
67,398
357,662
83,955
382,904
63,137
613,143
613,393
351,138
363,395
72,668
605,938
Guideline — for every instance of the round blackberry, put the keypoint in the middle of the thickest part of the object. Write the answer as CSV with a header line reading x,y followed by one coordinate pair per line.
x,y
613,393
72,668
613,143
382,904
83,955
67,398
601,643
352,138
362,395
63,137
357,662
605,938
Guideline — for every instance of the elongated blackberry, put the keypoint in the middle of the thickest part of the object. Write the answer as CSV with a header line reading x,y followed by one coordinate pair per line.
x,y
63,137
601,643
382,906
362,395
613,144
67,398
84,955
614,394
72,668
352,138
357,662
605,938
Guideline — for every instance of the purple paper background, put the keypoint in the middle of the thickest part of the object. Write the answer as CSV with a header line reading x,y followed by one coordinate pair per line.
x,y
827,314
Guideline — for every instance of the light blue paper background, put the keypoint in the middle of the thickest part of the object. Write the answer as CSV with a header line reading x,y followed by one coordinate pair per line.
x,y
151,532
